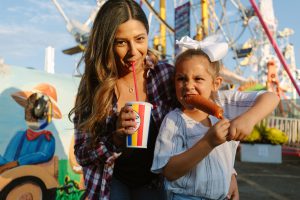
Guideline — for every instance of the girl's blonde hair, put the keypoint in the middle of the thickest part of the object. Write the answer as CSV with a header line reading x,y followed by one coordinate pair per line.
x,y
213,69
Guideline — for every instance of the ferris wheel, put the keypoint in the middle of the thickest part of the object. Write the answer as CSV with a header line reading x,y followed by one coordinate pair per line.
x,y
227,17
250,49
230,18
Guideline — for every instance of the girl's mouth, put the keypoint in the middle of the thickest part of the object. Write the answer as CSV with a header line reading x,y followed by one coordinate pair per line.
x,y
187,95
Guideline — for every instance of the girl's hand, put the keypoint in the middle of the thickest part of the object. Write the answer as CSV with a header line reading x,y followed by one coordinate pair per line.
x,y
240,127
217,134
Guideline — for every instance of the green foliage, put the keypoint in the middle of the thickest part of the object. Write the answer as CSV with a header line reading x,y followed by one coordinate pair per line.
x,y
70,190
262,134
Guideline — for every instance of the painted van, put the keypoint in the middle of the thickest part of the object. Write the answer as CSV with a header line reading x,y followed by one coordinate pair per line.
x,y
36,137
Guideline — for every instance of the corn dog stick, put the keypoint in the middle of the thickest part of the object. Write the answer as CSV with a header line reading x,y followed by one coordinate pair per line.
x,y
205,105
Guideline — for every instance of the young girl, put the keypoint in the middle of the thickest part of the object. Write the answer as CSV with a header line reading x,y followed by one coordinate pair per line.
x,y
196,151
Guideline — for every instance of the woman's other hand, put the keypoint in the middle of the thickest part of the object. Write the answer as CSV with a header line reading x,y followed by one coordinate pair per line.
x,y
233,192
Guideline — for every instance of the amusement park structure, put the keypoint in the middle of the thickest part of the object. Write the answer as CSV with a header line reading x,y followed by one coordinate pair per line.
x,y
250,30
255,60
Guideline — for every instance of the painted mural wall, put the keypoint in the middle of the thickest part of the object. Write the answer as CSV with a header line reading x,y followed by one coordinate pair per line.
x,y
36,136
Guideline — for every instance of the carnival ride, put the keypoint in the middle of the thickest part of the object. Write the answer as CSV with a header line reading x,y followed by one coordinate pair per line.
x,y
255,60
80,31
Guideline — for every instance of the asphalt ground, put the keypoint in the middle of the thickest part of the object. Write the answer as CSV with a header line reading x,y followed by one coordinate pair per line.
x,y
269,181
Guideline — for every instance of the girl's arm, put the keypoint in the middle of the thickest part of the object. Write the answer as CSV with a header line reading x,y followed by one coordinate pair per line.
x,y
242,125
180,164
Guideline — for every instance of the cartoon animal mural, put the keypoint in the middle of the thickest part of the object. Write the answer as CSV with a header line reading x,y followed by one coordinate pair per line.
x,y
35,144
29,166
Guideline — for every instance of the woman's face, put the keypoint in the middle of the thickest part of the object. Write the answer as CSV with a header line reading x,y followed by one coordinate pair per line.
x,y
130,45
192,77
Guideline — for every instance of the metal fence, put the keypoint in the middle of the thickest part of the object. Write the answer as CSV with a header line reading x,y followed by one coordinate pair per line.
x,y
290,126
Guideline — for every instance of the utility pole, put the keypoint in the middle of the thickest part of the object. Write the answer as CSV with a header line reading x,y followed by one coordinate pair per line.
x,y
163,28
203,31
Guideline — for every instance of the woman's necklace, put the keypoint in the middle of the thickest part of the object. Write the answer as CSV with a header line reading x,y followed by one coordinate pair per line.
x,y
130,88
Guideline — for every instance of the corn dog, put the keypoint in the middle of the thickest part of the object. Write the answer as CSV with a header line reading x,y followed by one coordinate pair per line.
x,y
205,105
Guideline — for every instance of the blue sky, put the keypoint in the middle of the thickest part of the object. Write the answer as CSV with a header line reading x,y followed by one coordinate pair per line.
x,y
27,27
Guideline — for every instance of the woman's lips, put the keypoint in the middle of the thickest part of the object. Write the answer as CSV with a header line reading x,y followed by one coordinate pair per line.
x,y
131,62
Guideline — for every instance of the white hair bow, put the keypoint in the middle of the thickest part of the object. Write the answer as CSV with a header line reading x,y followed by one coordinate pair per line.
x,y
214,50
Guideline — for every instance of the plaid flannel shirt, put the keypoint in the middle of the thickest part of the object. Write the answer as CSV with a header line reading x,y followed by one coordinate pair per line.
x,y
98,162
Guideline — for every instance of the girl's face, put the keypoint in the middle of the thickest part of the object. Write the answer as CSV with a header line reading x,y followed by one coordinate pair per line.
x,y
130,45
192,77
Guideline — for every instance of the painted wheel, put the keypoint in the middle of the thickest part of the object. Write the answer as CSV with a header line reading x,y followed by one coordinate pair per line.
x,y
24,188
27,191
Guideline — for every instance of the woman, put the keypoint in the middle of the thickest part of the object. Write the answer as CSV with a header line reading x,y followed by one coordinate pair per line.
x,y
106,85
119,37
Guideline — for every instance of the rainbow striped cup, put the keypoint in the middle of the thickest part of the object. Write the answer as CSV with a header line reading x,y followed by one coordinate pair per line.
x,y
143,113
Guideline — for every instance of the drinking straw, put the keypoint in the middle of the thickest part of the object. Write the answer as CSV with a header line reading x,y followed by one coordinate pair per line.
x,y
134,80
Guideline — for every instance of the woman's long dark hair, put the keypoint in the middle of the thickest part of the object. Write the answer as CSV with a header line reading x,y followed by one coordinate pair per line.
x,y
95,93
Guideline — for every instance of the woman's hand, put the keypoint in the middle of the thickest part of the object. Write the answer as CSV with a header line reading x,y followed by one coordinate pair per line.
x,y
125,125
233,192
